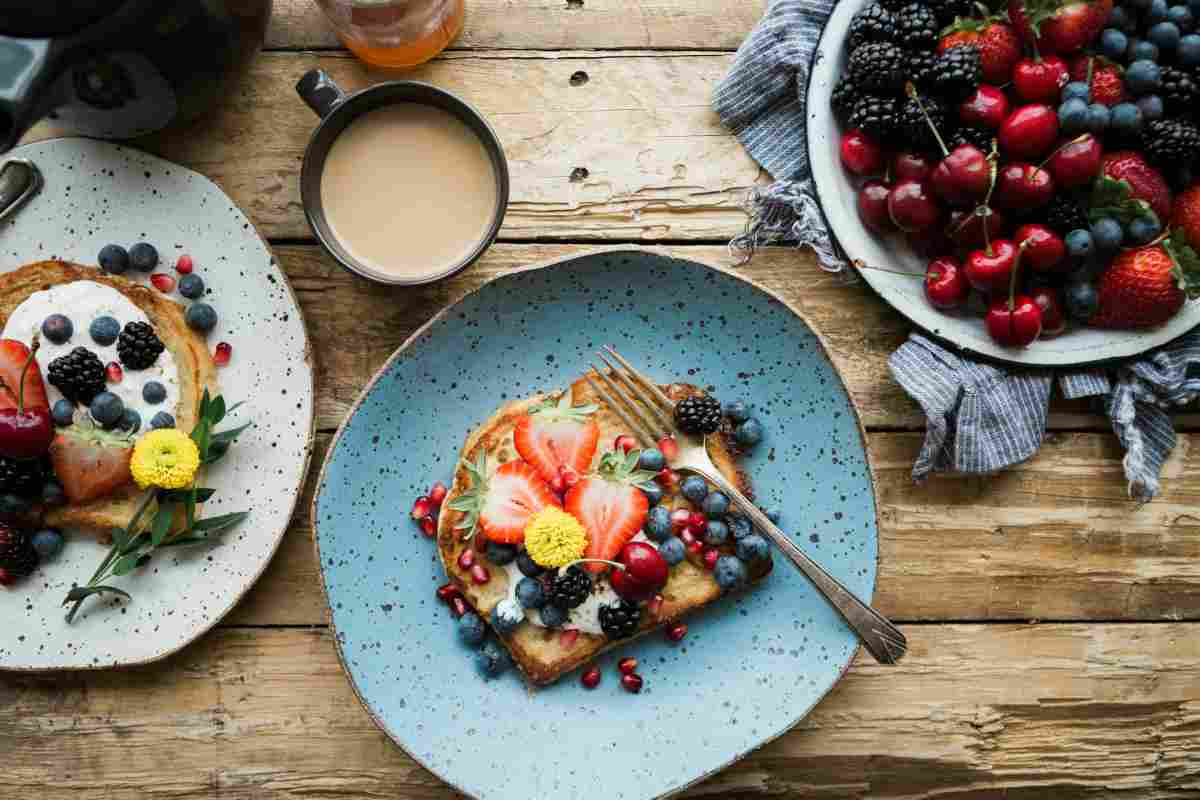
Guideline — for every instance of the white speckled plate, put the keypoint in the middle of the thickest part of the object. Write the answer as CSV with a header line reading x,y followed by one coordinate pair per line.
x,y
96,193
1079,345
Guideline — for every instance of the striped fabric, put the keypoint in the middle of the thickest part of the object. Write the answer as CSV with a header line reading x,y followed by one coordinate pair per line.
x,y
980,418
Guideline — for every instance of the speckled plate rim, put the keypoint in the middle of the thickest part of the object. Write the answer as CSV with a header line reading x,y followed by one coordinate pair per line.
x,y
448,308
310,436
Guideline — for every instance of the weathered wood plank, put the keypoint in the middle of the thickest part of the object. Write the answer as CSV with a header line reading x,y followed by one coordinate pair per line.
x,y
1051,539
1062,711
558,24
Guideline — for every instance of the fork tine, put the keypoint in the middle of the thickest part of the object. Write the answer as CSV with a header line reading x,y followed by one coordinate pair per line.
x,y
647,384
646,425
665,426
646,438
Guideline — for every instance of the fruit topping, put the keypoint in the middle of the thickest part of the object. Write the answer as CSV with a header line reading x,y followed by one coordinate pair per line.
x,y
480,575
1029,131
911,206
22,477
861,154
748,434
568,637
113,372
990,269
627,665
507,616
437,493
1076,162
447,592
222,353
632,683
502,504
163,282
1059,26
104,330
422,507
500,554
458,606
25,425
107,409
1044,249
1015,320
1171,144
554,538
1054,318
57,329
63,412
90,463
48,542
143,257
877,66
1145,182
201,317
18,559
162,420
698,414
184,265
466,559
620,621
710,557
428,527
946,284
138,346
530,593
191,286
1146,287
673,551
873,206
471,630
676,632
493,660
1039,79
730,573
625,443
590,678
113,259
753,548
570,588
642,572
557,434
998,45
610,506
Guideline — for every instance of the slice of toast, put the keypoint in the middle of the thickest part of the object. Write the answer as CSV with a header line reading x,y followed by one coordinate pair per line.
x,y
192,359
543,654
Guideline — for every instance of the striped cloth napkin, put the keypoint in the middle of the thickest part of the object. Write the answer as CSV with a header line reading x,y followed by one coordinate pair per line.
x,y
980,418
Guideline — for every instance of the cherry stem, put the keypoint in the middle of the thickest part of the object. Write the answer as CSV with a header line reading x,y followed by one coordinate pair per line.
x,y
1080,138
911,91
21,391
859,265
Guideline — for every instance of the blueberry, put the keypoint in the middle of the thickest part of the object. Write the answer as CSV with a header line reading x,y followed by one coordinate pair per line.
x,y
191,286
553,616
1113,43
1143,229
658,524
1079,243
154,392
1073,116
716,504
1151,106
694,488
1081,300
1076,89
131,421
730,573
737,411
530,593
1143,77
107,409
470,628
774,514
201,317
1157,12
1107,234
652,459
716,532
507,615
753,548
1126,119
48,542
528,567
53,494
143,257
63,413
1098,118
104,330
12,506
1164,36
113,258
749,433
1122,20
1182,16
162,420
492,660
673,550
654,492
739,526
1141,50
1188,53
500,554
58,329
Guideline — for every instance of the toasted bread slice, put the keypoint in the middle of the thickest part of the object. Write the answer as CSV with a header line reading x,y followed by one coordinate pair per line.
x,y
542,654
192,359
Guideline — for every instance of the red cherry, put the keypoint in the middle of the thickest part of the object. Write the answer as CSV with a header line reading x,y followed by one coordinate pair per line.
x,y
911,206
163,282
962,177
911,165
873,208
697,520
625,443
1040,80
1021,186
861,154
645,566
591,678
113,372
987,108
991,271
1015,321
437,493
184,265
931,242
1054,320
945,284
677,631
1077,162
627,665
222,353
680,519
631,683
967,228
25,432
1029,131
1044,249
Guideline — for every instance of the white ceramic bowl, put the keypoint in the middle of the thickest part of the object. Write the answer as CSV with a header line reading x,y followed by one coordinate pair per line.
x,y
837,192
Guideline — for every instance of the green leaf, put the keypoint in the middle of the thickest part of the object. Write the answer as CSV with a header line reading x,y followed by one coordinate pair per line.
x,y
220,523
119,537
125,564
184,540
162,523
462,503
234,407
216,410
78,593
1187,263
1114,198
189,507
204,402
181,495
229,436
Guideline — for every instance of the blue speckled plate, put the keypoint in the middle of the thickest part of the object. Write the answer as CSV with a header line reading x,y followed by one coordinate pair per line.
x,y
751,667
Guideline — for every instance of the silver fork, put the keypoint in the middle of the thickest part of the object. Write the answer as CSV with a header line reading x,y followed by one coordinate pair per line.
x,y
648,412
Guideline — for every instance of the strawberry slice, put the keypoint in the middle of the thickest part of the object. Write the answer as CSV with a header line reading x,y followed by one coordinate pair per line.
x,y
555,435
90,463
13,355
610,505
501,504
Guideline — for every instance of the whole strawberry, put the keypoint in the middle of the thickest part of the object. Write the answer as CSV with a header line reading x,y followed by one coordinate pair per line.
x,y
998,45
1107,86
1146,287
1185,219
18,559
1059,26
1146,182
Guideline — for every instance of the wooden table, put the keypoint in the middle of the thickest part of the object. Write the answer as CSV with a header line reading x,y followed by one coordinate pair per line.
x,y
1054,625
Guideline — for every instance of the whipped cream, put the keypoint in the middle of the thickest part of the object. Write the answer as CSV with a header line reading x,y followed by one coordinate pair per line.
x,y
82,302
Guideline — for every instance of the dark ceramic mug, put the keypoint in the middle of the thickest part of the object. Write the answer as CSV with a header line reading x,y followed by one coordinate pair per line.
x,y
337,110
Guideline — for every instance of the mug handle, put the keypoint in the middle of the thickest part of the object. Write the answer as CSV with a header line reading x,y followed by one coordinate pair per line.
x,y
319,91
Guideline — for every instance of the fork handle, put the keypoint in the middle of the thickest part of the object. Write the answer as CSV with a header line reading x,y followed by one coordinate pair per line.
x,y
881,638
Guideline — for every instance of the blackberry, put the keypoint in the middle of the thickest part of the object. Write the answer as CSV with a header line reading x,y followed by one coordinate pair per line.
x,y
878,66
23,477
79,375
843,97
1179,91
876,116
913,126
18,559
620,620
956,73
920,70
698,414
1171,144
570,588
965,134
948,10
138,345
1064,215
872,24
916,27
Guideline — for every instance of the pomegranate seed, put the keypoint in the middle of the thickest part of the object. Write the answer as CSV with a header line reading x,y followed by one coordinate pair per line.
x,y
668,447
437,493
667,478
422,507
688,537
556,484
591,678
184,265
428,527
568,636
695,546
654,605
458,606
680,519
480,575
163,282
6,577
710,558
625,443
677,631
631,682
627,665
698,532
697,520
447,592
466,559
222,354
569,476
113,372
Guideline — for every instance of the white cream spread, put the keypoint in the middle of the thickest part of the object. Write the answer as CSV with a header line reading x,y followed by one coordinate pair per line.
x,y
82,302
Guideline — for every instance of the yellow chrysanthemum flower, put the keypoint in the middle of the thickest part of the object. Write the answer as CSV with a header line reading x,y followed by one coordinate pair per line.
x,y
166,458
554,538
